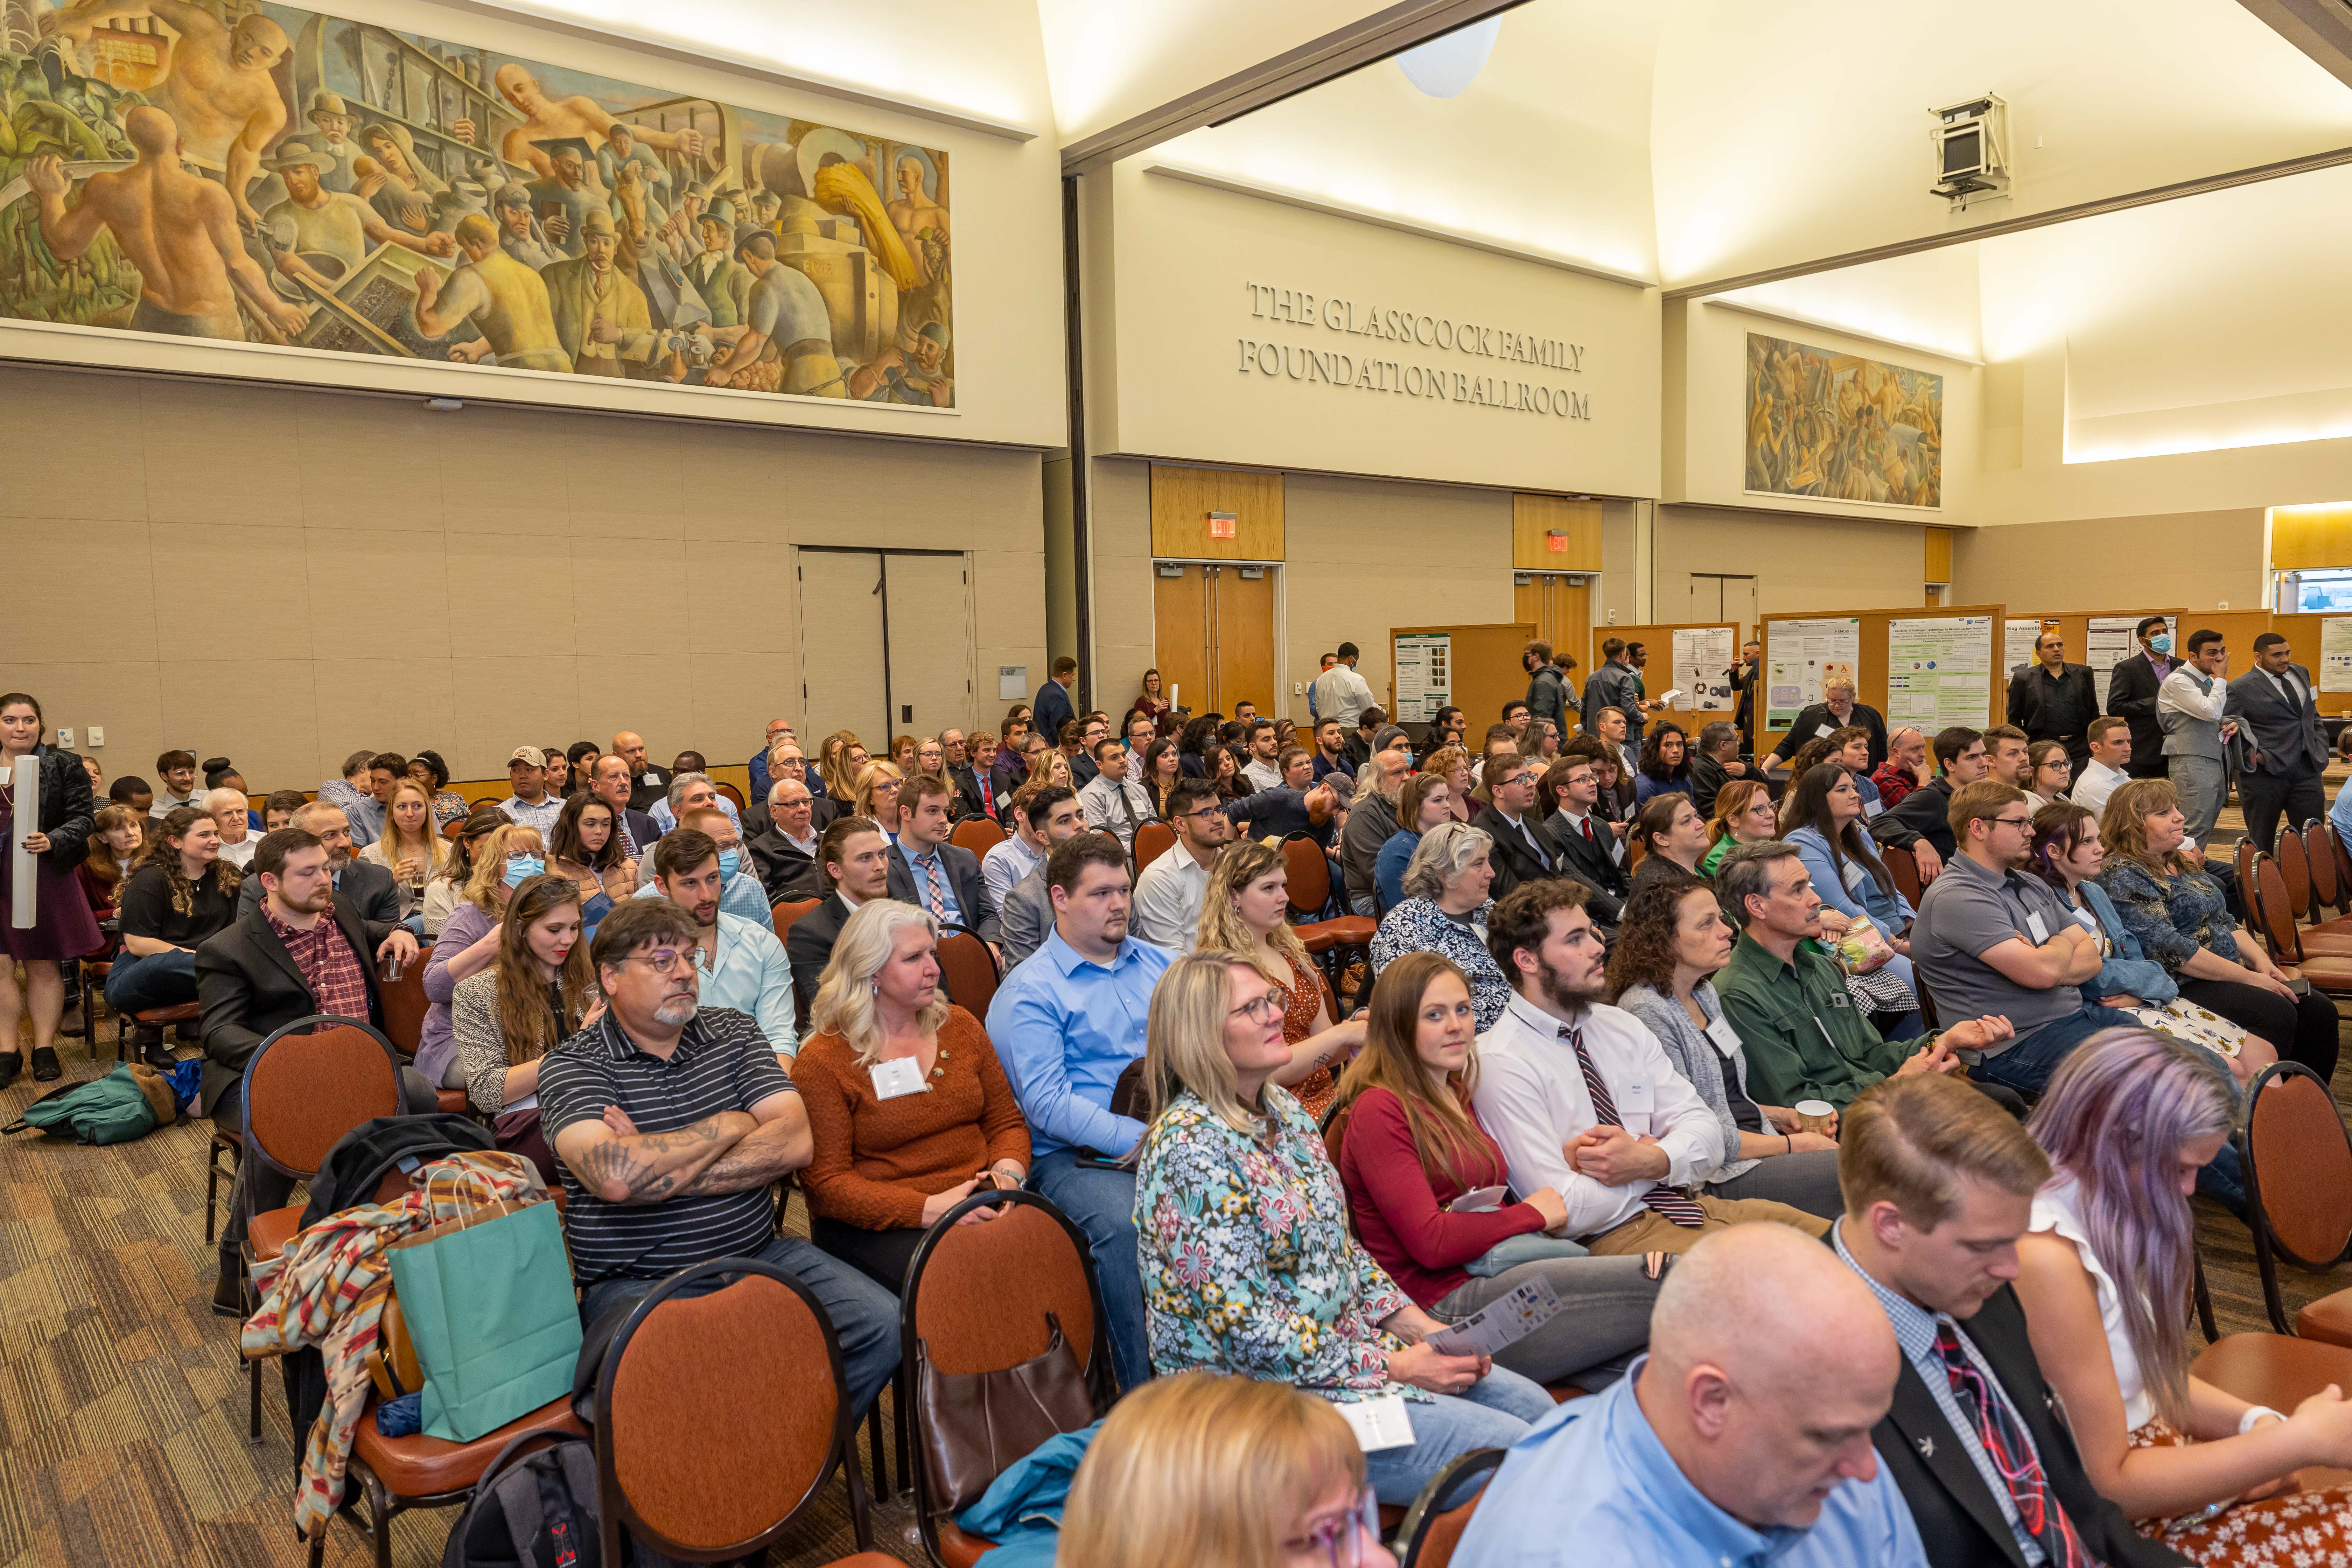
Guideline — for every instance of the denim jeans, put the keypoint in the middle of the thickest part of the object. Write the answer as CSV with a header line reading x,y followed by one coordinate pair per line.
x,y
1101,1204
864,1316
158,980
2033,1055
1493,1413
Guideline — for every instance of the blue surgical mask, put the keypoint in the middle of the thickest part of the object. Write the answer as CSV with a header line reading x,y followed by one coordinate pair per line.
x,y
522,869
728,860
2160,643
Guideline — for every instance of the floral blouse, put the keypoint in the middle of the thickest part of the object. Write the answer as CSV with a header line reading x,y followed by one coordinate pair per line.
x,y
2173,916
1248,1266
1418,925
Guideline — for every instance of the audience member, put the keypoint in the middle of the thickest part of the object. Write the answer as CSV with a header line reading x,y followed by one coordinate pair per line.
x,y
644,1202
1161,767
1025,918
132,793
1331,740
689,790
181,894
1067,1024
432,775
1116,799
504,860
1447,902
2111,755
530,804
1246,915
1613,762
410,849
1053,709
230,811
930,873
1341,694
2052,699
614,785
448,886
580,767
1242,1223
279,810
876,796
1905,769
1583,844
586,848
2050,771
2191,705
1150,703
839,762
1024,848
1744,813
646,783
371,889
969,776
1422,805
1673,941
1824,824
1546,686
1666,767
1672,839
1715,762
903,752
2132,688
176,771
538,992
1005,774
1743,1436
740,962
1615,685
1512,823
2067,854
63,928
784,852
1939,1186
221,774
855,857
1451,764
1359,747
891,1160
2007,756
1836,710
741,894
2109,1252
97,772
762,779
355,795
1922,823
2279,704
117,835
1168,895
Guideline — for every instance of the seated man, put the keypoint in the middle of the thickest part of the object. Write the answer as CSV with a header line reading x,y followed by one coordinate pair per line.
x,y
740,895
1715,762
610,782
532,804
1583,1100
1371,820
369,887
1330,757
1066,1025
784,852
176,770
743,964
1050,813
930,873
302,947
1583,845
1922,824
672,1123
1290,807
974,797
1116,799
1938,1186
1743,1436
1798,1024
1023,851
855,857
355,793
686,792
784,763
1905,769
779,730
1835,710
1168,895
1520,855
2111,755
1990,940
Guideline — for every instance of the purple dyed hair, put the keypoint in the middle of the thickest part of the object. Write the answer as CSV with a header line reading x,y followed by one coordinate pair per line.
x,y
2114,1119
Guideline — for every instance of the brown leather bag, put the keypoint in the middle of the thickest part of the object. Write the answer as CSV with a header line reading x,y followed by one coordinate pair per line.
x,y
974,1424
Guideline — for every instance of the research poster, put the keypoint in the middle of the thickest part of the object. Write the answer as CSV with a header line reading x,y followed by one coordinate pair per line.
x,y
1703,657
1800,655
1940,672
1424,674
2017,640
2108,642
2336,653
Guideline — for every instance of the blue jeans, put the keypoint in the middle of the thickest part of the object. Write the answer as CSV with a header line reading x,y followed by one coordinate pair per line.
x,y
2033,1055
1101,1204
158,980
864,1316
1493,1413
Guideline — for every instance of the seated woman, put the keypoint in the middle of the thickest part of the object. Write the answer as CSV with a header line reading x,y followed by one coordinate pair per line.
x,y
1219,1472
1244,914
1744,813
581,760
1161,768
1822,818
1672,837
585,848
902,754
510,856
1666,763
538,992
2128,1120
181,895
891,1159
1451,764
1412,1145
1445,911
1675,937
116,835
412,848
1425,801
432,775
2176,913
2067,854
1241,1238
2053,769
840,759
875,795
448,886
232,813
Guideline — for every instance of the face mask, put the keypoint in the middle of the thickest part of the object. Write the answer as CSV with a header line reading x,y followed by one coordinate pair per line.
x,y
728,860
2160,643
522,869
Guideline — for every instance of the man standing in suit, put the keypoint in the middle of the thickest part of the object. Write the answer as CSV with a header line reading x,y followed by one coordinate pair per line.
x,y
855,858
930,873
2275,699
1519,853
1615,685
2051,700
301,948
2132,686
1052,709
369,887
1939,1183
2189,706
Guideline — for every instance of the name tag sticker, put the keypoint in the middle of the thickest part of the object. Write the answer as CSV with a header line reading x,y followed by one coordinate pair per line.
x,y
894,1079
2034,925
1725,1037
1825,731
1871,808
2087,921
1637,1095
1379,1424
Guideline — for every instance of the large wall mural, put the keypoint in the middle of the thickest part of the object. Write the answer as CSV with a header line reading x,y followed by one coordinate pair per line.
x,y
249,173
1821,423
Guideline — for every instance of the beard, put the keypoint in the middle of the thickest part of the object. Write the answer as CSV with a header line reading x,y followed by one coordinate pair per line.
x,y
1563,993
678,1008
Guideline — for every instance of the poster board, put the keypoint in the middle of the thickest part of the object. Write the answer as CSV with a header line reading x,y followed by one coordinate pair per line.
x,y
1940,670
1869,674
1482,668
1662,675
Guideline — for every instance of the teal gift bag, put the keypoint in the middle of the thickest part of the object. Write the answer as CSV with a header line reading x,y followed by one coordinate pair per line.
x,y
490,1308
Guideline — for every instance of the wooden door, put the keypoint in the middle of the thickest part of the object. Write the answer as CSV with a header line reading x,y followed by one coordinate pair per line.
x,y
1243,637
1560,606
842,656
930,643
1180,625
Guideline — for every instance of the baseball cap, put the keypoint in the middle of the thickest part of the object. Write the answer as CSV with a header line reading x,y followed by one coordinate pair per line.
x,y
530,755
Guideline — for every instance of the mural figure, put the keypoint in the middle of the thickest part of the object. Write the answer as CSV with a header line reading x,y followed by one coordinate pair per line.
x,y
1843,427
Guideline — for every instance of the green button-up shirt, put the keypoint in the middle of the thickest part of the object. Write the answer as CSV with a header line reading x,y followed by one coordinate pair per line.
x,y
1804,1036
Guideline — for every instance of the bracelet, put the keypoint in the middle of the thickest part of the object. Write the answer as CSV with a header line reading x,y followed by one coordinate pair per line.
x,y
2255,1413
1789,1140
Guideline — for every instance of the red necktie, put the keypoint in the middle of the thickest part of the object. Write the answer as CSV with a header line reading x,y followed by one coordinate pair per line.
x,y
2011,1448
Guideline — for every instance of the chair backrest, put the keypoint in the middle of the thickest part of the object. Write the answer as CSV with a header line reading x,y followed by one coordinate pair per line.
x,y
1903,867
2296,871
784,911
1152,839
1308,870
719,1416
1926,1003
303,1090
406,1004
969,970
451,828
2343,857
977,834
1433,1527
2295,1137
1335,1133
2241,860
730,792
2276,911
2327,876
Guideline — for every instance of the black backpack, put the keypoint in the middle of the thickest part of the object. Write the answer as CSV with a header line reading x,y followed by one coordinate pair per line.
x,y
536,1510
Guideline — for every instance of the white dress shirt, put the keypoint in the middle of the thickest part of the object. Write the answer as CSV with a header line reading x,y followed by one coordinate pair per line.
x,y
1168,901
2179,694
1262,774
2098,782
1002,868
2289,689
1100,801
1531,1097
1341,693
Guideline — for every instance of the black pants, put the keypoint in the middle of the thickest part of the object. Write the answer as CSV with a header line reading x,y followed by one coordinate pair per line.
x,y
882,1256
2303,1030
2264,795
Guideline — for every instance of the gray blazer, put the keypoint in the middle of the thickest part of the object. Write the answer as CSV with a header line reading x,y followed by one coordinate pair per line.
x,y
1695,1058
1027,915
2291,743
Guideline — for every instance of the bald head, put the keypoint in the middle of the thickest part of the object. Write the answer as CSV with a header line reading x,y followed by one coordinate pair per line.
x,y
631,748
1769,1362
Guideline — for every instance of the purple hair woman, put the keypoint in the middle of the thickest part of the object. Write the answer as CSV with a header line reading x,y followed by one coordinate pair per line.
x,y
2105,1274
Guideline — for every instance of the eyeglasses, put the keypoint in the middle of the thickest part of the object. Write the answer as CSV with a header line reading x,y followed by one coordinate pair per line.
x,y
1342,1537
669,961
2024,821
1263,1009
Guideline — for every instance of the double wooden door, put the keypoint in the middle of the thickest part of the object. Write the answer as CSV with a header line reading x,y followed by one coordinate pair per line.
x,y
1212,625
1560,605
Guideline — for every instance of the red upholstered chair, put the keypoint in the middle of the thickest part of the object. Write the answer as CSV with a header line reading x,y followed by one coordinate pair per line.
x,y
969,969
396,1474
720,1417
2297,1161
733,794
1308,870
977,834
1903,867
2332,939
1433,1527
1152,839
784,911
2273,907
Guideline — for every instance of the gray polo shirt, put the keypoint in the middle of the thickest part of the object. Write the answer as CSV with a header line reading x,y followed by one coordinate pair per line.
x,y
1965,913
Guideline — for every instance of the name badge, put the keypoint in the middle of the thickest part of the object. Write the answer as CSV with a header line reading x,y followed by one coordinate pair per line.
x,y
2035,927
2088,921
1382,1423
1838,999
894,1079
1871,808
1725,1037
1825,732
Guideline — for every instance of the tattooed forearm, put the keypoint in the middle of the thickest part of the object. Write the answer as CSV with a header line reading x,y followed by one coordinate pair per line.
x,y
773,1152
652,1166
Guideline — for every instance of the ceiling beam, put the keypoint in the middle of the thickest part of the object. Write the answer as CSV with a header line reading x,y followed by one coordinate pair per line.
x,y
1364,42
2320,28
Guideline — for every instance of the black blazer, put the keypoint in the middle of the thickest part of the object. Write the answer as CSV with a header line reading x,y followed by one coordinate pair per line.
x,y
1590,863
369,887
67,809
2045,720
1513,860
2291,744
249,986
1959,1522
1926,813
971,793
2131,697
642,831
979,910
1809,726
808,946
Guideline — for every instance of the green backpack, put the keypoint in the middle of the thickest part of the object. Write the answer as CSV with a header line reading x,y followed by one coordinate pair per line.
x,y
115,1109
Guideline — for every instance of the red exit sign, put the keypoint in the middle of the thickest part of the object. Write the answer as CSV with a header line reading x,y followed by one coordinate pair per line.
x,y
1221,524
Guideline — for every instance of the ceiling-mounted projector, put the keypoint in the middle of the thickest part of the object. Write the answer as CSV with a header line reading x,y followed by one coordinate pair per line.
x,y
1971,147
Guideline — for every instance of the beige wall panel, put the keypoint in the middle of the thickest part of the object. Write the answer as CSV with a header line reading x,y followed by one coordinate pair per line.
x,y
1799,564
366,462
507,593
368,588
1119,520
210,458
63,614
619,587
499,706
260,713
1008,502
758,591
733,701
913,501
208,594
2198,560
627,478
503,470
122,696
414,701
733,493
73,444
1009,597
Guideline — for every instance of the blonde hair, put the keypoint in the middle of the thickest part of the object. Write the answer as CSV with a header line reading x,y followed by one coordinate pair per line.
x,y
389,845
1184,1039
1221,927
1209,1471
490,864
861,800
2124,828
844,998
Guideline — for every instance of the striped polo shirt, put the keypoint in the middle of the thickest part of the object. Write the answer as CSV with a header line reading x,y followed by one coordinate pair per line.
x,y
722,1063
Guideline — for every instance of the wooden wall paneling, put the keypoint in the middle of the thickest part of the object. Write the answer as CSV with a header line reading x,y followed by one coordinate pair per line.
x,y
1485,669
1182,499
2305,538
1533,518
1244,608
1870,678
1939,555
1658,675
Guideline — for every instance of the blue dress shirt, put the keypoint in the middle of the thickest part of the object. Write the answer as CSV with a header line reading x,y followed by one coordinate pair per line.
x,y
740,895
1591,1481
929,873
1064,1027
752,976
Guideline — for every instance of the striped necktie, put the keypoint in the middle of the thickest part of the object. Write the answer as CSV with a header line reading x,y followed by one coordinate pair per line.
x,y
1668,1203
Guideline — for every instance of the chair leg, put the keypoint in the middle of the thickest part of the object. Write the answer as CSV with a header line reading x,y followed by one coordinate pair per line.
x,y
253,1368
212,1194
900,1404
874,1442
2205,1306
379,1520
90,1014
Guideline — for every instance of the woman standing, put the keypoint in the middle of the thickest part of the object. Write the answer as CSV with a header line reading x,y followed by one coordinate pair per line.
x,y
1674,939
538,992
1413,1145
62,927
1666,763
1153,702
469,943
411,849
585,848
1425,801
1744,813
1445,911
1243,1244
1672,837
1244,914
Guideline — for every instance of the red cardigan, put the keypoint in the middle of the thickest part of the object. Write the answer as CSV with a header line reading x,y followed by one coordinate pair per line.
x,y
1401,1215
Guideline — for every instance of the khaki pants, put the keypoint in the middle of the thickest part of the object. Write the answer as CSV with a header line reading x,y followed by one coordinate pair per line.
x,y
1651,1232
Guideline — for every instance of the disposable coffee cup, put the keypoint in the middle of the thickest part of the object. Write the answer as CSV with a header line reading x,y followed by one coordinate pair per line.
x,y
1815,1115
